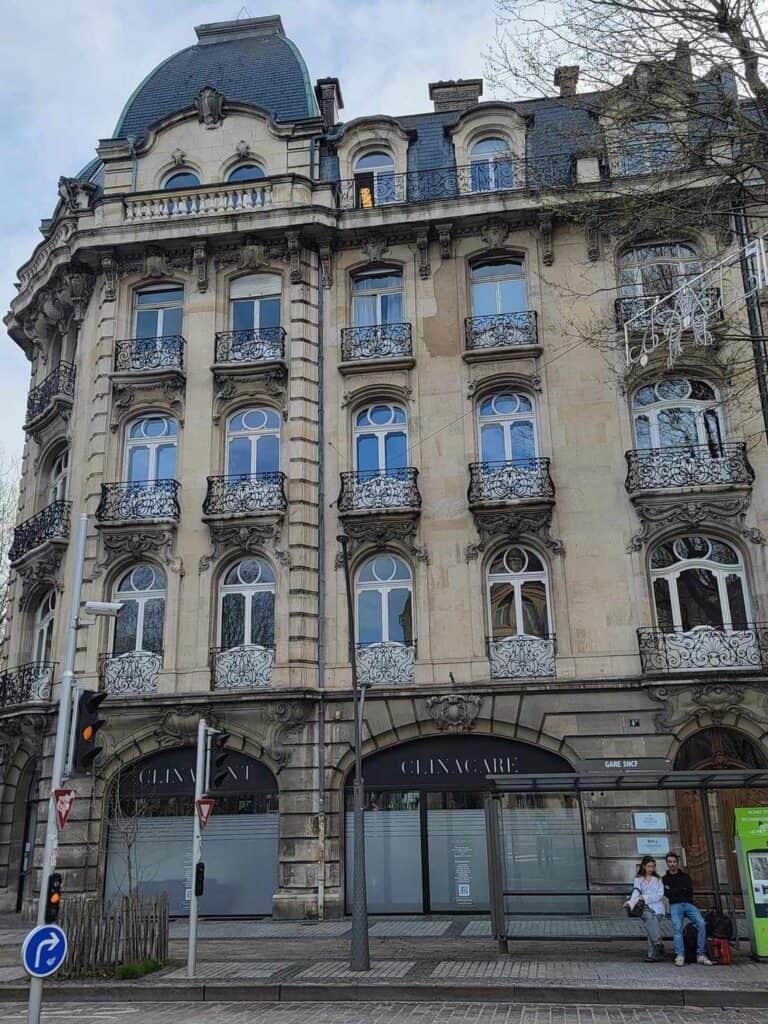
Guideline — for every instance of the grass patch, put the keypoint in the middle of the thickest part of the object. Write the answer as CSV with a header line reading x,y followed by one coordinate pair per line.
x,y
127,972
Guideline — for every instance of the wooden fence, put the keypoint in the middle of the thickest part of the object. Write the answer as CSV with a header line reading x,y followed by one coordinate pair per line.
x,y
100,938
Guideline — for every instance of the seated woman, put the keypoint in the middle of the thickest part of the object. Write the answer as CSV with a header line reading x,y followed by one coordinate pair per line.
x,y
649,888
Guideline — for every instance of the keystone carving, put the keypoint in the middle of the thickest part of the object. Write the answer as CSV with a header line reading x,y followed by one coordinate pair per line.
x,y
494,233
511,524
243,149
380,533
178,156
210,107
454,712
155,262
692,514
167,390
707,703
247,538
444,237
252,255
179,726
40,573
151,540
373,247
272,381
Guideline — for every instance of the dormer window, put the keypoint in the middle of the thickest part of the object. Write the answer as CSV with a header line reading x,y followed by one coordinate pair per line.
x,y
246,172
657,269
182,179
645,147
375,181
491,165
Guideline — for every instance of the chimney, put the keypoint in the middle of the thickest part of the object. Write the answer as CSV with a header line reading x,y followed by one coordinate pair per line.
x,y
567,78
460,94
328,92
242,28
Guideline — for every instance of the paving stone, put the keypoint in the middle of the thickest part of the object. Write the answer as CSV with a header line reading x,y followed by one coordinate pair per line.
x,y
261,929
408,929
230,969
337,969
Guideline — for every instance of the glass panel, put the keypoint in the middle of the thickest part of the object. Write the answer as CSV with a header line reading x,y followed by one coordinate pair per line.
x,y
534,608
160,296
677,427
712,433
396,451
172,320
125,628
243,315
154,612
239,456
400,627
232,620
269,312
392,308
663,556
699,599
504,173
492,443
138,465
512,296
369,623
263,618
484,298
392,860
643,432
146,323
184,179
248,172
481,175
166,462
503,613
458,859
719,551
365,311
374,160
664,620
521,440
674,388
367,453
268,454
734,586
702,391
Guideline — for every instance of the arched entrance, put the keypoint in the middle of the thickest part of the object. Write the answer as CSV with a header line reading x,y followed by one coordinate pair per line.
x,y
716,748
425,828
23,834
149,842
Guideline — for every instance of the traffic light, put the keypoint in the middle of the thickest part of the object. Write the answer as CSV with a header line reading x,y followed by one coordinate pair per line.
x,y
218,755
199,878
87,726
53,898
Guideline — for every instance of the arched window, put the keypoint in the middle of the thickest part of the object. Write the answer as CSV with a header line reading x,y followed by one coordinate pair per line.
x,y
498,287
645,147
247,605
255,302
56,489
384,588
657,269
699,581
377,298
507,428
678,412
381,439
375,180
150,449
182,179
491,163
42,639
139,626
253,442
158,312
518,601
246,172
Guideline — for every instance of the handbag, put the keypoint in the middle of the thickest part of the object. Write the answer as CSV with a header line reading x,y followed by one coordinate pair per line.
x,y
637,910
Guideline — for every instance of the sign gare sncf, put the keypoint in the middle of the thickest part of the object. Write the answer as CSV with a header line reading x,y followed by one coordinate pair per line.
x,y
172,773
454,763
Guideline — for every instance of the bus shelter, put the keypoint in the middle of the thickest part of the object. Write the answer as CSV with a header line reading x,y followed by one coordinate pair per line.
x,y
604,781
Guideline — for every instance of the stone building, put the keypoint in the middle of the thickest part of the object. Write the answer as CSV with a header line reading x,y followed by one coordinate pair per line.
x,y
253,327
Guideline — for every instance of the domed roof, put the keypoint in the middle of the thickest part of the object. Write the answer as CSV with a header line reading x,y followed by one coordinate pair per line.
x,y
248,61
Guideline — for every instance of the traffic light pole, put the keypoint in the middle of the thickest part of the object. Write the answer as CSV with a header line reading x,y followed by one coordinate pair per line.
x,y
59,754
197,844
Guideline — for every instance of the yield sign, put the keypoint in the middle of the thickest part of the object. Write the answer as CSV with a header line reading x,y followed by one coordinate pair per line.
x,y
204,809
64,800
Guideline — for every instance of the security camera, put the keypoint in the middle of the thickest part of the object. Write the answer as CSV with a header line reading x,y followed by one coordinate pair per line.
x,y
109,608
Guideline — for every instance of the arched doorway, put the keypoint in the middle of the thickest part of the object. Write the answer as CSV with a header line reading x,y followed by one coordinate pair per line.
x,y
23,832
716,748
149,841
425,828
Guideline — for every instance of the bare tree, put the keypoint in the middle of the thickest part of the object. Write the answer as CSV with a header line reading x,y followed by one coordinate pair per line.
x,y
9,496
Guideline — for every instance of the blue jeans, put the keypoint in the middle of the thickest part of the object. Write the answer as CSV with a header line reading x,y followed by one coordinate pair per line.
x,y
678,912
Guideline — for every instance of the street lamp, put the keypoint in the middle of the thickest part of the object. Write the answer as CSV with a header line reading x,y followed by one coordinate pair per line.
x,y
360,959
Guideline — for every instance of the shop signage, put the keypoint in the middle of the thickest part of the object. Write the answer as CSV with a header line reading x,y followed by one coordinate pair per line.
x,y
172,773
624,764
752,850
653,820
656,846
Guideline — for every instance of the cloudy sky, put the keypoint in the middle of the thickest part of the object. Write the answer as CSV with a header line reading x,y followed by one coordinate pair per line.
x,y
66,69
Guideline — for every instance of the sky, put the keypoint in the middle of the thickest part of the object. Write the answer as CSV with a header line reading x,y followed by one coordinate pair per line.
x,y
67,68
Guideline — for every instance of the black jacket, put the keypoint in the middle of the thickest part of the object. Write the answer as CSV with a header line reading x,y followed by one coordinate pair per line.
x,y
678,888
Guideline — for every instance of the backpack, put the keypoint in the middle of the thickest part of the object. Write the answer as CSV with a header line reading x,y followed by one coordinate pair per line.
x,y
719,926
690,942
720,951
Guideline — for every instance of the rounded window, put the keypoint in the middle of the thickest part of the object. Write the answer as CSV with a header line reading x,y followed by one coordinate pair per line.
x,y
253,443
182,179
491,165
498,290
381,440
45,615
246,172
518,601
375,180
150,450
247,605
384,588
507,428
140,623
678,412
657,269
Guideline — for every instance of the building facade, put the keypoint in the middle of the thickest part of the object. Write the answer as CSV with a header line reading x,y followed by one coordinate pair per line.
x,y
253,327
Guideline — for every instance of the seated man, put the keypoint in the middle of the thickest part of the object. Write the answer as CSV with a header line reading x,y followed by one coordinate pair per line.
x,y
678,888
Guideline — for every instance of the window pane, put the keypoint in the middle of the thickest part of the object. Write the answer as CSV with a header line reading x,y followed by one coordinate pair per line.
x,y
232,620
699,599
643,432
396,451
534,601
146,323
239,456
138,465
677,427
392,308
734,586
367,453
503,614
172,320
268,454
712,432
504,173
484,299
481,175
400,627
154,611
242,315
263,618
125,628
492,443
369,616
512,298
365,310
522,440
166,462
663,605
269,312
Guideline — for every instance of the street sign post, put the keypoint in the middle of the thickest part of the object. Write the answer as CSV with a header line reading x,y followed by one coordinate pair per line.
x,y
64,800
204,809
44,950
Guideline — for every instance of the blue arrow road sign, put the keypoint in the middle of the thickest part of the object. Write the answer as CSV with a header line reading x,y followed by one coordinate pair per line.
x,y
44,950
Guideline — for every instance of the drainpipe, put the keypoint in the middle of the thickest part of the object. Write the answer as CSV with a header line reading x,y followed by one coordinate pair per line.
x,y
753,310
131,140
321,631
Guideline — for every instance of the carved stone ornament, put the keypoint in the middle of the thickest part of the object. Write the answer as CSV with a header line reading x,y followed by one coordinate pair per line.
x,y
168,390
77,195
151,540
381,532
242,149
592,231
245,538
511,524
444,237
326,265
179,726
693,514
373,247
76,292
494,233
422,247
200,263
252,255
454,712
271,380
545,237
707,703
210,107
179,157
40,573
531,381
109,270
283,718
293,251
155,263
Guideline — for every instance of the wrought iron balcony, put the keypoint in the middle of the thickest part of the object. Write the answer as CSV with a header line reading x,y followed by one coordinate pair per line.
x,y
256,345
378,341
382,490
687,466
495,483
58,385
129,501
385,664
501,330
522,657
682,310
131,674
704,649
27,684
142,355
245,494
50,524
246,667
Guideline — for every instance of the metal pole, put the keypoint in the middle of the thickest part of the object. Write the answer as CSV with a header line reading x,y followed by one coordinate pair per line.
x,y
197,844
360,958
59,753
707,818
495,872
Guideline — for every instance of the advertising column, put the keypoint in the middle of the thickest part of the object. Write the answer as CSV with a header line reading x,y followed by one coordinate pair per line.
x,y
752,850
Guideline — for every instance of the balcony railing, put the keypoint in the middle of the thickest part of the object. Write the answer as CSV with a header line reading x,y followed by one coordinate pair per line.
x,y
128,501
256,345
131,674
501,330
510,174
704,649
385,664
137,355
517,480
246,667
27,684
59,384
687,466
377,341
383,490
522,657
50,524
245,494
201,201
681,311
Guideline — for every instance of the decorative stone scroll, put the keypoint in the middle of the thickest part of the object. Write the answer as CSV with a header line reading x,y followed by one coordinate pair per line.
x,y
511,524
454,712
692,514
381,532
150,539
248,538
